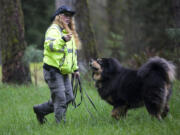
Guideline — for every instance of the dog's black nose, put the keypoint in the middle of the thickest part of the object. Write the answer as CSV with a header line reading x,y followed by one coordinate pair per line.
x,y
90,62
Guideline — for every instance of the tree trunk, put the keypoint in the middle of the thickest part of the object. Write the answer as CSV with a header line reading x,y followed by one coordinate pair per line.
x,y
0,54
114,45
176,12
63,2
176,9
85,31
12,43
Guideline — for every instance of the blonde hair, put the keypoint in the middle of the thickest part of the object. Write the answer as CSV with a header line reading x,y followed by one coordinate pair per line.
x,y
70,28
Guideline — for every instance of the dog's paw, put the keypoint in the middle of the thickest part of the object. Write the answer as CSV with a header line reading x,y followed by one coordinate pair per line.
x,y
115,115
119,112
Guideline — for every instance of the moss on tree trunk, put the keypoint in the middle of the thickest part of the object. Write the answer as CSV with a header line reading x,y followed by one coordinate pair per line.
x,y
12,43
85,31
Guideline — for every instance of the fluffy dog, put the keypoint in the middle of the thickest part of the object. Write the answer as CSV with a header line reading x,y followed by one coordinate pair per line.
x,y
125,88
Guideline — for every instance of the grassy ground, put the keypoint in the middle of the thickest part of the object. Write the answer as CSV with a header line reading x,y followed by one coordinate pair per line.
x,y
17,117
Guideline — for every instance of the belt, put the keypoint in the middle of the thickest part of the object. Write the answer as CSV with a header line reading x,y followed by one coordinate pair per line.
x,y
50,68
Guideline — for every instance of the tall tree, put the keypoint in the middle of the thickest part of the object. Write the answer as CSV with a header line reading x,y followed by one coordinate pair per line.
x,y
12,43
64,2
98,17
176,9
85,30
176,12
115,34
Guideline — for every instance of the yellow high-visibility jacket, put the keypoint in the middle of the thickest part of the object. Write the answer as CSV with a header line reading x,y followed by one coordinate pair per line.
x,y
57,52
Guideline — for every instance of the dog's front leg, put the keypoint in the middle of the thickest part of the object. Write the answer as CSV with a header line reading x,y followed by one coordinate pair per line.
x,y
119,111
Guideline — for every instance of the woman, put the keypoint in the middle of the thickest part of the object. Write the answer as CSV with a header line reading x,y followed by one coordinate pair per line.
x,y
60,60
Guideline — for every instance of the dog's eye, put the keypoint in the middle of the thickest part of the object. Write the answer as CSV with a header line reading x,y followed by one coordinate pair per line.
x,y
99,61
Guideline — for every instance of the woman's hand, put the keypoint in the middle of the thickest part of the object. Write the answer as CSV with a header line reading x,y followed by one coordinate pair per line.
x,y
76,74
68,37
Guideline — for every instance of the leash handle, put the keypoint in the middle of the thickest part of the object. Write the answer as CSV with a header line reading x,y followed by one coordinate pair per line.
x,y
75,88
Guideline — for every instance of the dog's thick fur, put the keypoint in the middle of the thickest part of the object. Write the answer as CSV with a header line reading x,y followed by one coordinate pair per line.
x,y
125,88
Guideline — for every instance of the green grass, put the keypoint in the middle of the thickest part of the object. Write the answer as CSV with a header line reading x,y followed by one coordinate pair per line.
x,y
17,117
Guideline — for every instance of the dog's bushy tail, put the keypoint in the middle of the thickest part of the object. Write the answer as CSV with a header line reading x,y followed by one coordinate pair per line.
x,y
157,75
156,64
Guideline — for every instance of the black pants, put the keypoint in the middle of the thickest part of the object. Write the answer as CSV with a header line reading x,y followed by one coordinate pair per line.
x,y
61,93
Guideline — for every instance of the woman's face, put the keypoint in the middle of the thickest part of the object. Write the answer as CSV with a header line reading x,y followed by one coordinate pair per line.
x,y
66,17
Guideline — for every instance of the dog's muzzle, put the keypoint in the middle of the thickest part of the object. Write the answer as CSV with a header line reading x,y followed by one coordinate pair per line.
x,y
91,64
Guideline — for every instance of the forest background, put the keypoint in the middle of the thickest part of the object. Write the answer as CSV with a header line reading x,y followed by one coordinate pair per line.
x,y
131,31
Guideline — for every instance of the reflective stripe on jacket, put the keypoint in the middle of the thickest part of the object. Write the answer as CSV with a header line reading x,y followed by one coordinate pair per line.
x,y
57,52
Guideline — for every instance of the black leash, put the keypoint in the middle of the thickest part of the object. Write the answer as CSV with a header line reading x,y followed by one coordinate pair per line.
x,y
75,89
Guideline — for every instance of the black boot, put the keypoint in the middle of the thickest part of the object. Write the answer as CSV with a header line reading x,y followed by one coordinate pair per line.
x,y
42,110
40,117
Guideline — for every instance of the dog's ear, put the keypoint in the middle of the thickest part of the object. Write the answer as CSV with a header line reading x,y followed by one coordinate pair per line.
x,y
108,65
111,65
